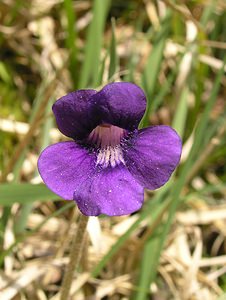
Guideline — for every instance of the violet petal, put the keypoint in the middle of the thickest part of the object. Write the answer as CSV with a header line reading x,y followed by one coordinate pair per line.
x,y
152,155
111,191
64,167
75,114
121,104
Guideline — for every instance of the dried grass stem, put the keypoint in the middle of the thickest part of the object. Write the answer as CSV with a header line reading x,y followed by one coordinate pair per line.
x,y
74,257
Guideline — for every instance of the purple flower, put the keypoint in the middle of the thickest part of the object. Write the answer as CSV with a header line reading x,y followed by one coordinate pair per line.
x,y
109,162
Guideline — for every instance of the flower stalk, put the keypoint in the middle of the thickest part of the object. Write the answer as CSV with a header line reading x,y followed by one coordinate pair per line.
x,y
74,256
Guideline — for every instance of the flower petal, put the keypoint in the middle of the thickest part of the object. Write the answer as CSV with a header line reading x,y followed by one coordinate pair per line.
x,y
152,155
121,104
64,167
111,191
75,114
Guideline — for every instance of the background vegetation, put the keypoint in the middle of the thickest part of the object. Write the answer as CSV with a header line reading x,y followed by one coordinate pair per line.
x,y
174,248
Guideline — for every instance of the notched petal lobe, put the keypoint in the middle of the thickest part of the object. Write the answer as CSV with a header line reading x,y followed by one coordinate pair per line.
x,y
64,167
121,104
75,114
152,155
110,191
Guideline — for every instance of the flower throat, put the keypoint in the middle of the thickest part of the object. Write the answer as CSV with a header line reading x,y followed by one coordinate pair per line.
x,y
107,139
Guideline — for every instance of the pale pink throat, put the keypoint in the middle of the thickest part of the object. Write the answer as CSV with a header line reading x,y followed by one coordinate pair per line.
x,y
107,139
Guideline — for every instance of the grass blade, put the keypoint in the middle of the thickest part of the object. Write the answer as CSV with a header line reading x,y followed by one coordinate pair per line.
x,y
71,39
93,46
113,52
24,193
175,193
150,75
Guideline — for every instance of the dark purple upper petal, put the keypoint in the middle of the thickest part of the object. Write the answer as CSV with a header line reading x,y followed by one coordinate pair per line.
x,y
110,191
64,167
152,155
75,114
121,104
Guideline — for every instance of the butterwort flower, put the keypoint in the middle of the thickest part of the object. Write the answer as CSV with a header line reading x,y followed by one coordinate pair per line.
x,y
109,162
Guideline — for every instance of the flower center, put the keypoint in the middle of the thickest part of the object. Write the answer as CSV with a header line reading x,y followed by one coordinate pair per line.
x,y
108,138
